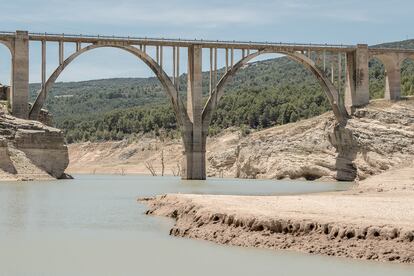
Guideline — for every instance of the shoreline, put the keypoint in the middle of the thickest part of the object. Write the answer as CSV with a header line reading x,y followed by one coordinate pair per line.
x,y
372,221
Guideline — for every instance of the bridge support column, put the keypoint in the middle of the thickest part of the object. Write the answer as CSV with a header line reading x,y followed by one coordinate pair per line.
x,y
357,78
20,75
393,81
194,166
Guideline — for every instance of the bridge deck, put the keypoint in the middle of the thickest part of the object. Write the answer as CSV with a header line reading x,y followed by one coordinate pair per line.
x,y
221,44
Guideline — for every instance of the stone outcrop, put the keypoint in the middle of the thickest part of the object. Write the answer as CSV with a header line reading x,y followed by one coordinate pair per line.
x,y
375,139
29,150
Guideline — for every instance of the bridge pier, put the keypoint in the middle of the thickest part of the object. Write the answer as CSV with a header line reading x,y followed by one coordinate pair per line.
x,y
194,166
357,78
20,75
392,64
393,80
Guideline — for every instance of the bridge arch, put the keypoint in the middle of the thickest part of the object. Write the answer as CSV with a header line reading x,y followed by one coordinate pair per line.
x,y
407,76
5,48
377,75
331,92
8,45
393,65
171,91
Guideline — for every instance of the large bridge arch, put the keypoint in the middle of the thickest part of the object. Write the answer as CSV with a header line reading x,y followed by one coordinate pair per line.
x,y
171,91
8,44
329,89
6,48
392,64
377,75
407,76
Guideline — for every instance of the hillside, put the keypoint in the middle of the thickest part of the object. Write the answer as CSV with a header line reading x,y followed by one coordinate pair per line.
x,y
377,138
265,93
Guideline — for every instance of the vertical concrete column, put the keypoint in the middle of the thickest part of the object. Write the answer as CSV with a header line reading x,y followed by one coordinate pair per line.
x,y
339,72
357,79
174,75
61,52
195,151
178,70
161,57
350,82
79,46
215,68
211,71
393,80
20,75
43,63
227,59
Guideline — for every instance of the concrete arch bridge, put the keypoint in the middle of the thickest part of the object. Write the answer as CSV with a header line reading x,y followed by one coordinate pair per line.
x,y
330,64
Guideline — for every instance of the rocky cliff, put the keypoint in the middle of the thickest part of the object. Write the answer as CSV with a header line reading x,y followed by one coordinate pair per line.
x,y
375,139
30,150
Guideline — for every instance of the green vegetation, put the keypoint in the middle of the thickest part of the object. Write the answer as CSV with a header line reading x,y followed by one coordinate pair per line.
x,y
265,93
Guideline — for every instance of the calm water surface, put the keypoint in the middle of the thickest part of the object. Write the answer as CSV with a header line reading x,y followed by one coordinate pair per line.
x,y
94,226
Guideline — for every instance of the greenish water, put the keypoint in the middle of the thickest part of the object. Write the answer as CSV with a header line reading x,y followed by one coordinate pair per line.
x,y
93,225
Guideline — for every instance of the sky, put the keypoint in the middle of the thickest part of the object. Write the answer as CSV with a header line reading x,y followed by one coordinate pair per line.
x,y
304,21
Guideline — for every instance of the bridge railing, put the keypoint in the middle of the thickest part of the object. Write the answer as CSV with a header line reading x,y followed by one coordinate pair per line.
x,y
219,43
181,40
7,33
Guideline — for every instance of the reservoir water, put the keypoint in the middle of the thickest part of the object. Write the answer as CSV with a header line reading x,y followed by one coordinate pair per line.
x,y
93,225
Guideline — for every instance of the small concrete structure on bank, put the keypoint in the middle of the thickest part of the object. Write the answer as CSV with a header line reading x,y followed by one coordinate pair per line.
x,y
194,118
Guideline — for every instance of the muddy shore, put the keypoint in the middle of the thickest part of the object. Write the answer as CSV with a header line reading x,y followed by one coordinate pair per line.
x,y
372,221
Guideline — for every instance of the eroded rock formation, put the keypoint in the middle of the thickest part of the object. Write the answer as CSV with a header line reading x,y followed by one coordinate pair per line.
x,y
375,139
30,150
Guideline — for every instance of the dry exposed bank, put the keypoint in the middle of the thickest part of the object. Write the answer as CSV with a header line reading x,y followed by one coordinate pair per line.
x,y
30,150
373,221
377,138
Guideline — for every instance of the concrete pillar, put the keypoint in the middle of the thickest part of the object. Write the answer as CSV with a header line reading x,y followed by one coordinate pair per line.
x,y
339,72
194,166
161,57
61,53
20,75
227,59
178,69
43,63
215,68
174,75
393,81
357,78
211,71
